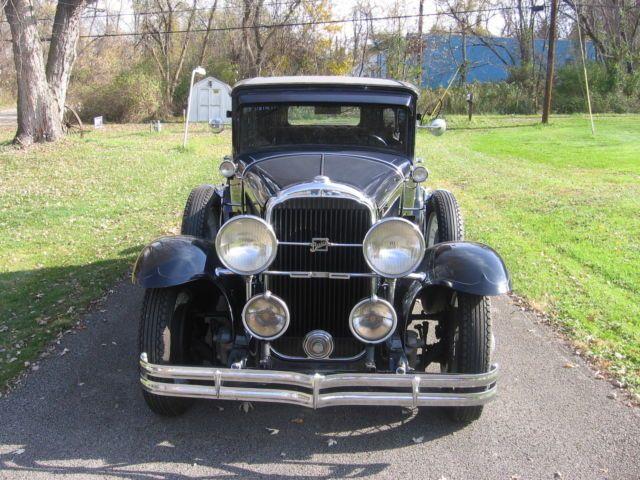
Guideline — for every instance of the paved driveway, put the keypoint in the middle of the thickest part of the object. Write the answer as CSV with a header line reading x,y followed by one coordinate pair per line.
x,y
81,415
8,117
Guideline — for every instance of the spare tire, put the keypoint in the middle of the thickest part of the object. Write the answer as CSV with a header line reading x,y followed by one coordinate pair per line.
x,y
201,217
443,220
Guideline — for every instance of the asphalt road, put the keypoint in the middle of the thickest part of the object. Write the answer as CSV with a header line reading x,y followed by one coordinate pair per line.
x,y
81,415
8,116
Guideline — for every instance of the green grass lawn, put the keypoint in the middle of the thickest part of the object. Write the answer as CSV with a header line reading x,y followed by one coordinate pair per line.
x,y
73,218
562,207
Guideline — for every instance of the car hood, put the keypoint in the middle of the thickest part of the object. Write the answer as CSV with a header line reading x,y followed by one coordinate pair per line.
x,y
378,177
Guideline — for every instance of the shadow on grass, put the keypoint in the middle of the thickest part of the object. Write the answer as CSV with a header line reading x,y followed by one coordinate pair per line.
x,y
37,304
496,127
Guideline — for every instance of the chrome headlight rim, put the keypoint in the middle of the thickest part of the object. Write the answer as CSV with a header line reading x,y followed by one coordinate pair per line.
x,y
394,317
419,174
419,235
272,237
227,168
269,297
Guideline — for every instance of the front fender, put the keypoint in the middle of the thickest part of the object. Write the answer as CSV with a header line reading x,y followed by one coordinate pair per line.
x,y
466,267
171,261
460,266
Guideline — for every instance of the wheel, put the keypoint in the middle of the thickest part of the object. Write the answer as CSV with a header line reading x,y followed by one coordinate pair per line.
x,y
443,220
201,215
469,345
164,336
71,122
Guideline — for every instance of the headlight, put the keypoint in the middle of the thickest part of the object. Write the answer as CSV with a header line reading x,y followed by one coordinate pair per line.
x,y
266,316
228,169
393,247
246,245
373,320
419,174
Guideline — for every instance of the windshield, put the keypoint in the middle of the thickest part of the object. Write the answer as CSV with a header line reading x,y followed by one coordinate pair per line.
x,y
328,124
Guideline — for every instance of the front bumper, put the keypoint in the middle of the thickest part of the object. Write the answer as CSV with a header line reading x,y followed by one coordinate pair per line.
x,y
388,389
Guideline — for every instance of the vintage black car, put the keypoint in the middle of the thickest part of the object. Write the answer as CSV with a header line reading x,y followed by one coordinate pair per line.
x,y
321,273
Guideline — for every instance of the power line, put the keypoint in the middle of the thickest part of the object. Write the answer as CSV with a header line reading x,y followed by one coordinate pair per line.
x,y
287,24
158,12
284,25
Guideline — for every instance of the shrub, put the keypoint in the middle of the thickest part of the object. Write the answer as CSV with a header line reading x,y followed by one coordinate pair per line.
x,y
497,98
132,96
611,90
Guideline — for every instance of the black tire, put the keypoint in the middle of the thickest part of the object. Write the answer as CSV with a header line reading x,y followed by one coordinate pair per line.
x,y
201,213
469,345
443,220
161,312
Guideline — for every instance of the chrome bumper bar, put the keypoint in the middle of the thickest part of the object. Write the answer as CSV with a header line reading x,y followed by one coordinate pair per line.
x,y
420,389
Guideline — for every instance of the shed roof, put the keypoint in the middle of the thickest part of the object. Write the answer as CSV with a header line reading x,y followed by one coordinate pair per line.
x,y
217,80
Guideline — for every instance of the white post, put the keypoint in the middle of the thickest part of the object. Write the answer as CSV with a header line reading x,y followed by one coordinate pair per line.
x,y
201,71
586,79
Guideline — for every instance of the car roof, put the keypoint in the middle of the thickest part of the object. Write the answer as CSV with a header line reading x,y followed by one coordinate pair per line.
x,y
319,80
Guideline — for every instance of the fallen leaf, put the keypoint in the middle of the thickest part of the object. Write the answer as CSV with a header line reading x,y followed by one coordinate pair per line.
x,y
418,439
299,421
569,365
272,431
331,442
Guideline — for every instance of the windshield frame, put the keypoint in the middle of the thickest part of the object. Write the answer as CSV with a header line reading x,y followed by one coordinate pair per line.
x,y
360,96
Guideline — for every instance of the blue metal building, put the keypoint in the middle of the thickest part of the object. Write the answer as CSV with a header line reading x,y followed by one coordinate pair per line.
x,y
443,54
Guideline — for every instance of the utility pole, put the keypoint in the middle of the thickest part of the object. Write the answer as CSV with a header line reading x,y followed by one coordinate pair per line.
x,y
420,43
551,58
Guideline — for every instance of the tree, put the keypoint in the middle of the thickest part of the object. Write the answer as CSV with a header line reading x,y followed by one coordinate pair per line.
x,y
167,35
42,88
255,40
614,28
363,31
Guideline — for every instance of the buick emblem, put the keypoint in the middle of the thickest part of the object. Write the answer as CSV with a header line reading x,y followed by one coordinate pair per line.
x,y
319,245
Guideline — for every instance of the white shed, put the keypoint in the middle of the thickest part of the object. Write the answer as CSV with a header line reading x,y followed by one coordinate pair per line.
x,y
210,99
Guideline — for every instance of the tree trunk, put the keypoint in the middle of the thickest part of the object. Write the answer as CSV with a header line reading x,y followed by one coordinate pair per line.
x,y
39,117
62,52
42,91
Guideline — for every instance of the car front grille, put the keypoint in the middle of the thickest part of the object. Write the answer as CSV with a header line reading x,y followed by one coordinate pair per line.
x,y
320,303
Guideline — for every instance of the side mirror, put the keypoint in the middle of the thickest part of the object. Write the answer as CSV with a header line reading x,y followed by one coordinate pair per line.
x,y
438,127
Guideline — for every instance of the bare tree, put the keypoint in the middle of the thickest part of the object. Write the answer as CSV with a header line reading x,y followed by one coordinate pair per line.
x,y
162,33
472,24
363,32
256,40
207,33
614,28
